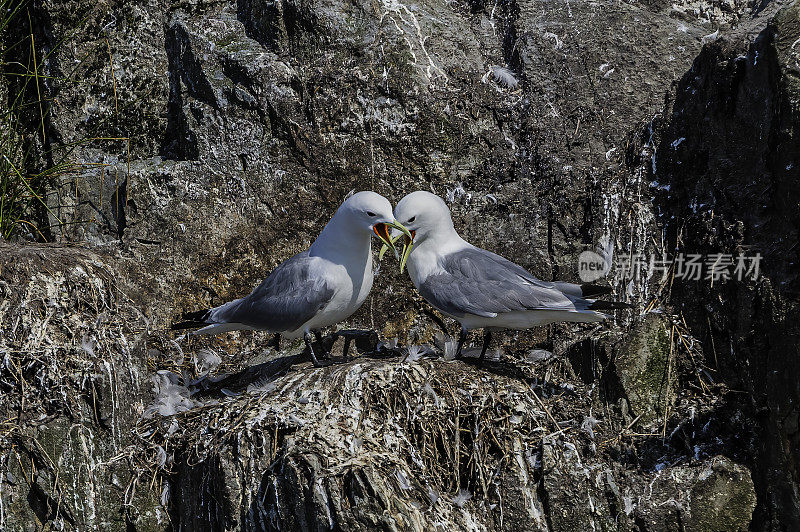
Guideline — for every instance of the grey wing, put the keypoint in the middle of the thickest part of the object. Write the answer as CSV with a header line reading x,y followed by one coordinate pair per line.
x,y
284,301
478,282
571,290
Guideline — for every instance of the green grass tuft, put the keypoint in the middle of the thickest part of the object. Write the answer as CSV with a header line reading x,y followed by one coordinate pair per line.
x,y
24,211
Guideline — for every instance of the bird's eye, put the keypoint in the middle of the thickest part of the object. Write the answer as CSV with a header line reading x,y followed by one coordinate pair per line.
x,y
370,213
411,219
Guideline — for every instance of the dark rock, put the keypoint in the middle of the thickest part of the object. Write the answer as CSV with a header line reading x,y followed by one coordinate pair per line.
x,y
714,496
733,189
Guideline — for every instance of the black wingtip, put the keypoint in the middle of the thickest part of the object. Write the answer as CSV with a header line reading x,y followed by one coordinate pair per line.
x,y
186,325
609,305
192,320
589,290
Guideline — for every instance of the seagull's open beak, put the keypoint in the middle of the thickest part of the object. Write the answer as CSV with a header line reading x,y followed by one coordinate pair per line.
x,y
382,230
409,243
384,248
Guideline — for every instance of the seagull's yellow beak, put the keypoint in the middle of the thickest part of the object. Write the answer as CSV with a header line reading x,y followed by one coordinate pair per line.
x,y
409,243
382,231
385,248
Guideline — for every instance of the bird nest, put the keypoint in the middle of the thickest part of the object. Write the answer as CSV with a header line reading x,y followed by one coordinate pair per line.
x,y
437,432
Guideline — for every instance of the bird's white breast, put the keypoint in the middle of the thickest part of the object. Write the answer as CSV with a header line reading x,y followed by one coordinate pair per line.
x,y
351,282
421,264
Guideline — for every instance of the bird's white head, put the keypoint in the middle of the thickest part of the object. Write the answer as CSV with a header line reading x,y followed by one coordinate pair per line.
x,y
425,215
367,212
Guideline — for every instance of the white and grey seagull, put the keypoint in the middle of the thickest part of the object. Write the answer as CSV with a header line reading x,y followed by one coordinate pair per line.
x,y
316,288
479,288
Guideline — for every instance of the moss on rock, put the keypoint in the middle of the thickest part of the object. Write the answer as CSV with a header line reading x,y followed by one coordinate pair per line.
x,y
643,365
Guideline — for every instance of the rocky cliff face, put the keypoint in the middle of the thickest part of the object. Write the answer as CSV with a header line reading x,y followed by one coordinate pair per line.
x,y
211,140
734,187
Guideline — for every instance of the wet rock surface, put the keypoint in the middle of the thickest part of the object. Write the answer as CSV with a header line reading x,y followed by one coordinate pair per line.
x,y
214,139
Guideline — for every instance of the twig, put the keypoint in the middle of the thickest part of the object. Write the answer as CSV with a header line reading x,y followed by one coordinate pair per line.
x,y
36,76
622,432
547,411
669,375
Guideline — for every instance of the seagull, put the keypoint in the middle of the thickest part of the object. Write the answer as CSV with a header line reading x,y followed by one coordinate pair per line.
x,y
479,288
316,288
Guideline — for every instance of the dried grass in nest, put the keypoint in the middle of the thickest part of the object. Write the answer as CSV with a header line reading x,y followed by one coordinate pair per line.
x,y
430,426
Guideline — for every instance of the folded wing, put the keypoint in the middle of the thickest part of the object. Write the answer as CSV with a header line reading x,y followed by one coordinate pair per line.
x,y
475,281
291,295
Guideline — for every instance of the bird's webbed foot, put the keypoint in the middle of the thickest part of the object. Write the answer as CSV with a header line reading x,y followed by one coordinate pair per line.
x,y
487,337
320,363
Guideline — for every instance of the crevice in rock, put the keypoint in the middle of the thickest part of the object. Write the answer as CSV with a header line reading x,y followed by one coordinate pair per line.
x,y
263,22
119,202
511,13
46,507
282,27
541,492
180,142
198,500
94,400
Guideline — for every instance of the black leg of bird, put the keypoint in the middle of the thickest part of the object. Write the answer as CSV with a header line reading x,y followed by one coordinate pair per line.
x,y
462,337
310,346
487,337
275,342
318,338
346,348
